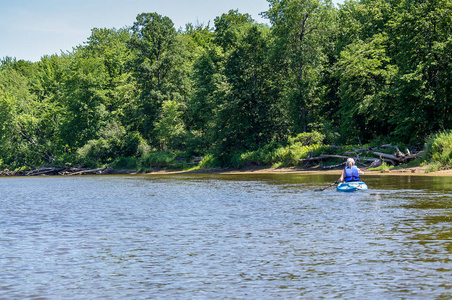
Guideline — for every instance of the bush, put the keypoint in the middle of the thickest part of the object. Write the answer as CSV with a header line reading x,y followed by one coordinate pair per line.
x,y
208,161
131,143
167,159
330,132
95,152
439,150
433,167
307,138
384,167
113,142
272,155
125,163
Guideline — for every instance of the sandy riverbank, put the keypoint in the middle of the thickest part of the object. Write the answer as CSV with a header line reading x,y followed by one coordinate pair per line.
x,y
413,171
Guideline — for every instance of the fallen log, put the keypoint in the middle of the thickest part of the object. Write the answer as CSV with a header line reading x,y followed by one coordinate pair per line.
x,y
89,171
44,171
386,146
56,171
334,166
321,157
7,172
310,159
388,156
333,156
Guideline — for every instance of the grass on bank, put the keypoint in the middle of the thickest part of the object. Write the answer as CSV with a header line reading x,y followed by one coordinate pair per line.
x,y
439,151
438,156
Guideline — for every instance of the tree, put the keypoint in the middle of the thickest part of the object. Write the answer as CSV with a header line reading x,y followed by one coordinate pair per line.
x,y
249,115
422,47
158,67
170,131
301,28
365,75
109,47
99,96
229,28
23,134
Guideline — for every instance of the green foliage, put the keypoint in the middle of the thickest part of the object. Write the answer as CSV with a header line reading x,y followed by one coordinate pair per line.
x,y
170,160
434,167
302,29
113,142
125,163
276,156
229,27
364,76
248,114
307,138
208,161
439,150
169,128
331,134
158,68
24,135
422,50
384,167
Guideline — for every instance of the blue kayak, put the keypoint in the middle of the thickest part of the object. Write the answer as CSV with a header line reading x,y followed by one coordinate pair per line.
x,y
351,186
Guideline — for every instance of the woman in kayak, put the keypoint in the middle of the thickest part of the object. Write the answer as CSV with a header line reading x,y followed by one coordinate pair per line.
x,y
351,172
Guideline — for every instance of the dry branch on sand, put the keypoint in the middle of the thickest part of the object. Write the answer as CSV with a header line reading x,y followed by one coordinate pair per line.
x,y
363,156
57,171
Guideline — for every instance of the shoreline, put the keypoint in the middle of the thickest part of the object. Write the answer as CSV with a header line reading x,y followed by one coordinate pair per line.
x,y
411,171
254,170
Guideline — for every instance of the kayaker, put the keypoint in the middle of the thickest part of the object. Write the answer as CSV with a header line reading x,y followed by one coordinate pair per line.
x,y
351,171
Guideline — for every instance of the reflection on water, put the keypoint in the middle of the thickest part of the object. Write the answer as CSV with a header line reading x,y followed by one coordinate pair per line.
x,y
224,237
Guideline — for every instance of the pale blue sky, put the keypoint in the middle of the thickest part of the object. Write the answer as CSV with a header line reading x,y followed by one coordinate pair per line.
x,y
30,29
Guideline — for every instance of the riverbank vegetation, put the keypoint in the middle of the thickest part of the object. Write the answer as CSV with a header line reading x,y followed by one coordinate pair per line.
x,y
237,92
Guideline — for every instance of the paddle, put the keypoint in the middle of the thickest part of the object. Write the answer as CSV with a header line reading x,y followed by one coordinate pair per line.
x,y
322,189
374,164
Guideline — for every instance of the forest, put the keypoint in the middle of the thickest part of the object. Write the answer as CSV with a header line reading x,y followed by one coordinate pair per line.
x,y
236,92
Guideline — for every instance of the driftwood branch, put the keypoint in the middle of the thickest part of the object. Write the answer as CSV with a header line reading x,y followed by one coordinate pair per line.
x,y
321,157
44,171
358,154
56,171
90,171
388,156
335,166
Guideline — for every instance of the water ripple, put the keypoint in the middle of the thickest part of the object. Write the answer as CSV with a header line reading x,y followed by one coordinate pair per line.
x,y
222,237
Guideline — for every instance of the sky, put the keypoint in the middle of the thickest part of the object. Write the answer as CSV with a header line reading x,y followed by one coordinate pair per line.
x,y
30,29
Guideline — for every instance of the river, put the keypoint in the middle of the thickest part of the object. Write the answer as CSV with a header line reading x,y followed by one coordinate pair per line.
x,y
211,236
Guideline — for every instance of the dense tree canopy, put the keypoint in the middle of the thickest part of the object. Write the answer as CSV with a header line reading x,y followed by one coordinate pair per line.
x,y
369,70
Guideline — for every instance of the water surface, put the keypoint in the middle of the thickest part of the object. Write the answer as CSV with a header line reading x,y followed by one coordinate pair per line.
x,y
224,237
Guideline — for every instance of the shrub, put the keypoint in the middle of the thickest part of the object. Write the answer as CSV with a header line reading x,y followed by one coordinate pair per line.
x,y
439,149
125,163
330,132
433,167
384,167
208,161
167,159
95,152
271,155
113,142
307,138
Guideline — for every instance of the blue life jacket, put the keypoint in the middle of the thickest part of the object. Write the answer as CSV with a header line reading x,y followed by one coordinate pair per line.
x,y
351,174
